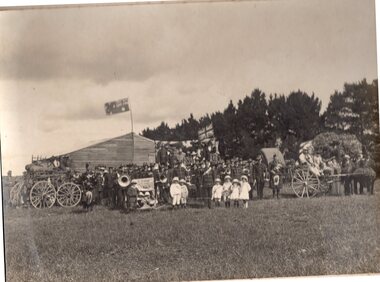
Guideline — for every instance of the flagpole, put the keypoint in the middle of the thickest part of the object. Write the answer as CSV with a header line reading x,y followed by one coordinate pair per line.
x,y
133,139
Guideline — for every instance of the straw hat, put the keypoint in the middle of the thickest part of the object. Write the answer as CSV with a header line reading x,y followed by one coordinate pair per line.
x,y
227,177
175,179
217,180
236,181
244,177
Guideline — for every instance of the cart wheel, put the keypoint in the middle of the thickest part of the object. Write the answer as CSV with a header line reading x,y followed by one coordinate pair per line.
x,y
42,195
305,183
69,195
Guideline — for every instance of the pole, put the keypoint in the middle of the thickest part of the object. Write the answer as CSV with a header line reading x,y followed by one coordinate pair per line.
x,y
133,139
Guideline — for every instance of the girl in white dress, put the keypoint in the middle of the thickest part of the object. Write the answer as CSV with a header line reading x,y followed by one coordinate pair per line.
x,y
227,191
217,190
244,191
235,194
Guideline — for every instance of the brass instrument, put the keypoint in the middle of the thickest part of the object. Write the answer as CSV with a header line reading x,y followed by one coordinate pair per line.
x,y
123,180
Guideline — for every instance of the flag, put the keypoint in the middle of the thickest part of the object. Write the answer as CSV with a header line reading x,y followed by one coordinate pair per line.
x,y
206,133
116,107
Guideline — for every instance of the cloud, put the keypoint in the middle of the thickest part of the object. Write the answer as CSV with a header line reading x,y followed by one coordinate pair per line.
x,y
91,44
59,66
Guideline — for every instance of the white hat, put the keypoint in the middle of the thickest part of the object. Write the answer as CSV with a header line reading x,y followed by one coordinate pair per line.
x,y
182,181
227,177
244,177
236,181
175,179
134,181
217,180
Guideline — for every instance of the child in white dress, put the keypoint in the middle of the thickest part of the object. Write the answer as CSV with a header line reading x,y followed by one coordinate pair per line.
x,y
184,193
235,192
244,191
227,191
217,190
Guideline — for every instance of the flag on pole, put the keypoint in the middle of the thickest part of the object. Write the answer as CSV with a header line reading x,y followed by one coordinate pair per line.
x,y
206,133
116,107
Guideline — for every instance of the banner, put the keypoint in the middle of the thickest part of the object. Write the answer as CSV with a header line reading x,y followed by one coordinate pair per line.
x,y
206,133
145,184
116,107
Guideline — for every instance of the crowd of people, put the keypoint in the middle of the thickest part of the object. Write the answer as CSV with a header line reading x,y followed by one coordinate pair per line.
x,y
201,174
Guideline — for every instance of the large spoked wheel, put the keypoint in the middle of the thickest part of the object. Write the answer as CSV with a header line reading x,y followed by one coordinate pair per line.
x,y
42,195
305,183
69,195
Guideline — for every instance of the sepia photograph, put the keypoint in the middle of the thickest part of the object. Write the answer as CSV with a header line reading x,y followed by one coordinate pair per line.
x,y
190,140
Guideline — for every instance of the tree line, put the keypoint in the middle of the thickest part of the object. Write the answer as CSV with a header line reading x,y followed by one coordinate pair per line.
x,y
284,121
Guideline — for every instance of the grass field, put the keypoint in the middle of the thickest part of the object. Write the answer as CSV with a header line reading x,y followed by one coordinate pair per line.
x,y
286,237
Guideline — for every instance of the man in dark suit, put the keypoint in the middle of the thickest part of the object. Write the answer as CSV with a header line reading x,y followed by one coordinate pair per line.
x,y
259,174
110,186
162,155
207,183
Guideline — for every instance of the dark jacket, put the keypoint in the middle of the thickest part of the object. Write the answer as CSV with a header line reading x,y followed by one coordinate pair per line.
x,y
259,171
162,156
208,179
110,180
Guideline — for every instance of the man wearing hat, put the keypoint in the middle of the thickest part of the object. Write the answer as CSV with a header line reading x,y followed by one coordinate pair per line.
x,y
162,155
188,159
175,192
207,183
347,169
259,174
110,186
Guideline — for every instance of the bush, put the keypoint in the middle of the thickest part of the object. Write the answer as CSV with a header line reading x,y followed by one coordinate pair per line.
x,y
331,144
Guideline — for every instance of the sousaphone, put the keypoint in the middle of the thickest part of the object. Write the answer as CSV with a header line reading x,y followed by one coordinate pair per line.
x,y
123,180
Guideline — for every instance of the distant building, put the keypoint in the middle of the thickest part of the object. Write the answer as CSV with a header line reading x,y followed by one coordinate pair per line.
x,y
114,152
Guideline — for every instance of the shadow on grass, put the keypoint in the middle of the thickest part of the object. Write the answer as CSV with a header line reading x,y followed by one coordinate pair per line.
x,y
79,211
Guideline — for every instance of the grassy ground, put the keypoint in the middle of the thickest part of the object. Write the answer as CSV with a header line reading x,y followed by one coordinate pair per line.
x,y
286,237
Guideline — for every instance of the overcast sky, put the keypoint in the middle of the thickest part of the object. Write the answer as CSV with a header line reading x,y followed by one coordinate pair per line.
x,y
59,66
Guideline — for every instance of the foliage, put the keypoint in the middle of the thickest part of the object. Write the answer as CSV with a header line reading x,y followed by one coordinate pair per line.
x,y
256,122
355,111
331,144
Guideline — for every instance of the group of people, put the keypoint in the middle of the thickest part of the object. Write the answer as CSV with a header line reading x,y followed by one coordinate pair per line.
x,y
351,171
208,182
216,181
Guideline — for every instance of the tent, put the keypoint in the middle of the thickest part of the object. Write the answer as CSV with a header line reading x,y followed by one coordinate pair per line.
x,y
268,153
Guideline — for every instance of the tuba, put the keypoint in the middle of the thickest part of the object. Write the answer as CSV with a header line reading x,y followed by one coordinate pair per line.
x,y
123,180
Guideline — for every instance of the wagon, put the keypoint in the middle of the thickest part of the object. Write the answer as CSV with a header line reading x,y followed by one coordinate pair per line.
x,y
49,188
43,186
303,181
306,183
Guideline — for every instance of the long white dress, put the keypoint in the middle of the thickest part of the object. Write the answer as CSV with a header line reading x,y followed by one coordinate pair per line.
x,y
244,191
235,192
